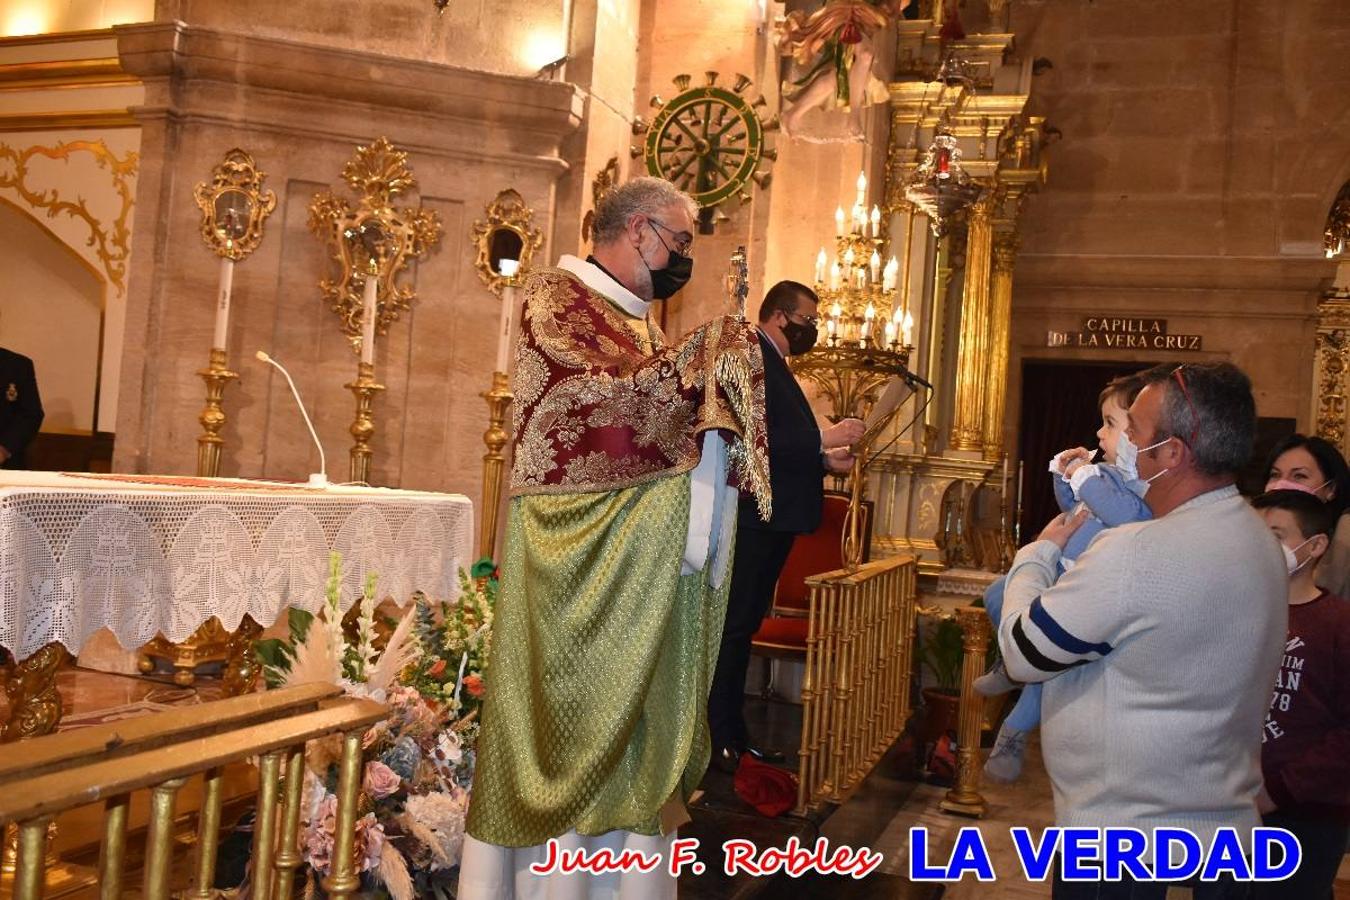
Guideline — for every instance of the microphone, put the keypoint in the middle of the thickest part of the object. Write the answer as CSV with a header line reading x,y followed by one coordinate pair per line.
x,y
914,379
316,479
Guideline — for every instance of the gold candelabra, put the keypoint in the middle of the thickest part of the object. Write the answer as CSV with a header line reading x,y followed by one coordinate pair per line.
x,y
499,400
216,375
363,426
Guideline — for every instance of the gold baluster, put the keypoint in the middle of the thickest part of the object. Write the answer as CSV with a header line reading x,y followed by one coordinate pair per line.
x,y
809,701
112,854
288,857
159,842
30,866
342,880
964,797
265,826
208,834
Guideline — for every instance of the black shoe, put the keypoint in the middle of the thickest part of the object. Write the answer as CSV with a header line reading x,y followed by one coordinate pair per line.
x,y
726,759
765,754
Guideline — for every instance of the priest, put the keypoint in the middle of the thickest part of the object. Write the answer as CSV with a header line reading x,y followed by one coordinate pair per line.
x,y
629,457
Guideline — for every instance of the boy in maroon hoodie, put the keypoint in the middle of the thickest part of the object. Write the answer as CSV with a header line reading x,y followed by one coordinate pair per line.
x,y
1305,746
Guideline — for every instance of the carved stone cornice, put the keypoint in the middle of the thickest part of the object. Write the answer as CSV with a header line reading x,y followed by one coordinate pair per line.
x,y
192,72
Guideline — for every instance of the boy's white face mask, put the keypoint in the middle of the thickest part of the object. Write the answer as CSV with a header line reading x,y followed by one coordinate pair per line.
x,y
1291,557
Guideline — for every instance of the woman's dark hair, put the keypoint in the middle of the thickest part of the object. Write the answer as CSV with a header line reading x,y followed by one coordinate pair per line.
x,y
1329,460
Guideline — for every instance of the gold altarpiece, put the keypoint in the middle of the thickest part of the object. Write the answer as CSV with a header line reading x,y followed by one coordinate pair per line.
x,y
962,282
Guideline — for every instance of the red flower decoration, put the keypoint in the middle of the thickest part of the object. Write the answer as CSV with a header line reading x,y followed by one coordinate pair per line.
x,y
473,683
436,670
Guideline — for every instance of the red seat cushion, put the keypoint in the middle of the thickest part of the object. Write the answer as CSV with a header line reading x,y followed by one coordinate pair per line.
x,y
782,631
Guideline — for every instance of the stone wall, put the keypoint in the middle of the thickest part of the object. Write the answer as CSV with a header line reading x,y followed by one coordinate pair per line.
x,y
1202,145
301,109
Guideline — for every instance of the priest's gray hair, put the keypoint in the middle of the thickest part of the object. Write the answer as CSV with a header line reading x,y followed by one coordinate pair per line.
x,y
642,196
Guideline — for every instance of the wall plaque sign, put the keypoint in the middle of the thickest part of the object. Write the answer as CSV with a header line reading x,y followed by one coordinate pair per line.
x,y
1124,333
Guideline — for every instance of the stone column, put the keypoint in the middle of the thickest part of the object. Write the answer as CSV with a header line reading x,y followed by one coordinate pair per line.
x,y
972,362
1000,325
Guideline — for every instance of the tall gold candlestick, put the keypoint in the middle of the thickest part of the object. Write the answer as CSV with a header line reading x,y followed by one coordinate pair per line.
x,y
363,426
499,401
216,375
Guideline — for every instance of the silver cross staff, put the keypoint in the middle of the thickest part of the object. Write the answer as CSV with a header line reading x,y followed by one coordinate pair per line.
x,y
738,281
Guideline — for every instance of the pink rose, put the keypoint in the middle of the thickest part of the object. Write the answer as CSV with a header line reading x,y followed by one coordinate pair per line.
x,y
381,781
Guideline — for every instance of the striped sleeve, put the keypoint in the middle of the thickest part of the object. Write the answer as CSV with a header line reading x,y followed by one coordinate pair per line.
x,y
1049,627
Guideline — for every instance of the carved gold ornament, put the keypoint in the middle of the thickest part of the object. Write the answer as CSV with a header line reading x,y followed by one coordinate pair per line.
x,y
111,243
605,181
234,206
507,233
372,237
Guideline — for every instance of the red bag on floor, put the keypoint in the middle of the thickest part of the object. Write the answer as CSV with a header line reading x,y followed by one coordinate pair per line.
x,y
770,790
942,761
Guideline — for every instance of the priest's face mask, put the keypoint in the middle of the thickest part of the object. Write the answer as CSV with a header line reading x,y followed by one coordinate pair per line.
x,y
663,244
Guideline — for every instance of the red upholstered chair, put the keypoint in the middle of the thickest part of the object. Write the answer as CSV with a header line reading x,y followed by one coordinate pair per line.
x,y
783,633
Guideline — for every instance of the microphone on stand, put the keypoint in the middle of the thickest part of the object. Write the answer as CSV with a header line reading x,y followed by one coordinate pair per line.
x,y
316,479
914,379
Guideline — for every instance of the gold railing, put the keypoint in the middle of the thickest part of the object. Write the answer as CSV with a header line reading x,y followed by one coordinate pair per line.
x,y
160,752
855,692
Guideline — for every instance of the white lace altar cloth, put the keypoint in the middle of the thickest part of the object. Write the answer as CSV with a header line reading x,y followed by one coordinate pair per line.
x,y
146,554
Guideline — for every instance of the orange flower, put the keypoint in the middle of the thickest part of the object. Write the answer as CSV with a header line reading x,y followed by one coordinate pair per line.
x,y
473,683
437,669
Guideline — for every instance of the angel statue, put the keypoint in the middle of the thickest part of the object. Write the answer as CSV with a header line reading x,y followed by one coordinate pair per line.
x,y
832,51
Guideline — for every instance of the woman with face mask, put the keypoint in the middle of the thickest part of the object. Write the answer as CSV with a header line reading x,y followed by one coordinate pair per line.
x,y
1315,466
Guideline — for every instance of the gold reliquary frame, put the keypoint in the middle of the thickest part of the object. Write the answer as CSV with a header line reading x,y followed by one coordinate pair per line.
x,y
234,206
374,238
506,234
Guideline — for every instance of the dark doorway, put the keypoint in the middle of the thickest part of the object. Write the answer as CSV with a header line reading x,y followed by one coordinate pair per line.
x,y
1059,411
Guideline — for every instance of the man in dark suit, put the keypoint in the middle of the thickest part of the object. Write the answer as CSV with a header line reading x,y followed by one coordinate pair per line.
x,y
20,408
800,454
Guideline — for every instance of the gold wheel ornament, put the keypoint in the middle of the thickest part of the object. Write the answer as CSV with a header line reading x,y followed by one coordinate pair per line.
x,y
709,141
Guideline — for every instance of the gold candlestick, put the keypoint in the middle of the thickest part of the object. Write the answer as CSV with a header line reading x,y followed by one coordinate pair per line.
x,y
499,400
363,426
964,798
216,375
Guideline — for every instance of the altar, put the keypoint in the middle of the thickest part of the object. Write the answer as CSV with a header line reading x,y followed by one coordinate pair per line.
x,y
146,555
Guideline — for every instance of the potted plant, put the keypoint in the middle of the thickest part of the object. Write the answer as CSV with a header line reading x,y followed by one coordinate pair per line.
x,y
941,654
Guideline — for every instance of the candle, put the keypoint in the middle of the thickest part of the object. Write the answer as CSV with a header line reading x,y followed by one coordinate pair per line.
x,y
908,330
876,220
870,313
507,267
862,189
834,275
820,267
862,336
368,314
831,325
839,222
223,303
874,264
890,333
836,311
1006,484
899,316
892,268
860,277
849,257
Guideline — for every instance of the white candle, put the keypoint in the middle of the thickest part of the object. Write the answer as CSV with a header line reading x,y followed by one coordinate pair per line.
x,y
890,333
848,257
368,315
862,336
836,310
892,269
820,266
876,220
908,329
839,222
509,268
862,189
835,275
223,303
874,264
870,313
831,326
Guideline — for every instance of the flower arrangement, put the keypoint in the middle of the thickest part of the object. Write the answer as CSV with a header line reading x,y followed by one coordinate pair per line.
x,y
418,763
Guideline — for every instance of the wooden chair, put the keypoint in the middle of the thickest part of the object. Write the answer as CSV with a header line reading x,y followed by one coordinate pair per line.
x,y
783,632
